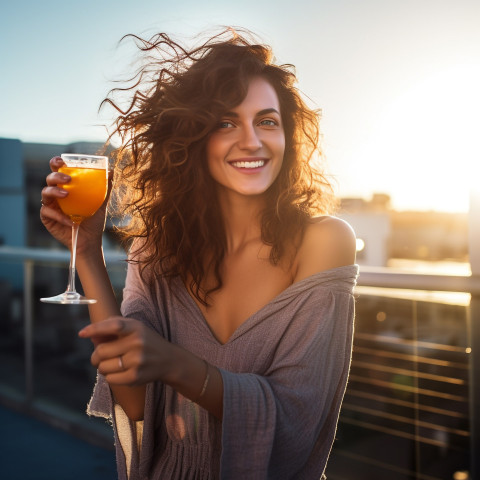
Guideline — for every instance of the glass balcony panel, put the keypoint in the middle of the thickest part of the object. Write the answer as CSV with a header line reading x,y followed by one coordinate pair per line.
x,y
64,376
406,409
12,340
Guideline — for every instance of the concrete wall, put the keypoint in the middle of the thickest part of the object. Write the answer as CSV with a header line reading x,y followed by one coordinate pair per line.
x,y
375,230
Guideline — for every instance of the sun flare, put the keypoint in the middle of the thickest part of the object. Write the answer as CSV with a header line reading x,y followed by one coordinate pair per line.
x,y
428,138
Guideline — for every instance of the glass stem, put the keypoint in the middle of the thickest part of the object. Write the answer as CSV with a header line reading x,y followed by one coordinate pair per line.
x,y
71,271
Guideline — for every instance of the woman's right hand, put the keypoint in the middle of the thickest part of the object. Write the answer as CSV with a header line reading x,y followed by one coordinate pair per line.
x,y
58,224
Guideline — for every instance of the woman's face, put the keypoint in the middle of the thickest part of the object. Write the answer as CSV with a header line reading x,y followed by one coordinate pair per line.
x,y
245,153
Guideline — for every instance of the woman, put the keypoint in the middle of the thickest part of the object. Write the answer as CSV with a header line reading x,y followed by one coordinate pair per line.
x,y
230,354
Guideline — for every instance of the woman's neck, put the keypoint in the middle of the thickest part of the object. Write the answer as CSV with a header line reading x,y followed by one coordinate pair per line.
x,y
242,219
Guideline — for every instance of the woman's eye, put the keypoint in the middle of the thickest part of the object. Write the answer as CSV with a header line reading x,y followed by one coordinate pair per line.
x,y
269,123
225,124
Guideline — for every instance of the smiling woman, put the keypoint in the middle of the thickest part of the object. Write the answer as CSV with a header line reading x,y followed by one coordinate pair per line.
x,y
230,354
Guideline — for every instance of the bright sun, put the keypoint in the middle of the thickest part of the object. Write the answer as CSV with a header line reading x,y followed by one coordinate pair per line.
x,y
428,138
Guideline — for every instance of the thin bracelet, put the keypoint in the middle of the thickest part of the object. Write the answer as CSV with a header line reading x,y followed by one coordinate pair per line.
x,y
205,383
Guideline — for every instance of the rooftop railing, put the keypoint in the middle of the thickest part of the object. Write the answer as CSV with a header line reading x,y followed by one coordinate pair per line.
x,y
416,364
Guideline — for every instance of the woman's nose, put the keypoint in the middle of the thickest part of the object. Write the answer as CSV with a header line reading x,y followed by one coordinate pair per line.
x,y
249,139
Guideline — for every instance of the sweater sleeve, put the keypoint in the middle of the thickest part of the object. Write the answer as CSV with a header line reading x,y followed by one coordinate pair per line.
x,y
139,299
282,423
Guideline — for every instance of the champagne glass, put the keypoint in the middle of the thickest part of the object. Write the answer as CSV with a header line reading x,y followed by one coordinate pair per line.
x,y
86,193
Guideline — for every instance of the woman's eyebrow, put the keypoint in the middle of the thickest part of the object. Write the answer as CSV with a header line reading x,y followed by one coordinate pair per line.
x,y
265,111
268,110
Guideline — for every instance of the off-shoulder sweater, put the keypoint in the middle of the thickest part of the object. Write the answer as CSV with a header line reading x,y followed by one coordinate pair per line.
x,y
284,372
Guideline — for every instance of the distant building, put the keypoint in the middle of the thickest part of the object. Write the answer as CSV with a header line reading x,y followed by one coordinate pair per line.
x,y
372,224
385,234
429,236
13,201
23,168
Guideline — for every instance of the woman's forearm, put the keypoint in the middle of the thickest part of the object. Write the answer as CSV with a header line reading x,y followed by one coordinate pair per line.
x,y
196,380
96,284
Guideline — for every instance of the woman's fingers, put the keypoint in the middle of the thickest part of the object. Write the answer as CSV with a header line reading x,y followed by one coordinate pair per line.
x,y
58,178
49,213
119,355
111,365
117,326
111,349
117,362
56,163
120,369
109,337
49,209
125,358
52,192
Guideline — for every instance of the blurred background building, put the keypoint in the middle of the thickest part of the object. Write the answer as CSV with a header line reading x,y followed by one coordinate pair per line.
x,y
391,238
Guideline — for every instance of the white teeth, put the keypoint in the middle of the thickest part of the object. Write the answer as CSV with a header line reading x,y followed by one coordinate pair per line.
x,y
256,164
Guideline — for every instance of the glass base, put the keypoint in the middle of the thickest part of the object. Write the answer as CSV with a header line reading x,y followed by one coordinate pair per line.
x,y
69,298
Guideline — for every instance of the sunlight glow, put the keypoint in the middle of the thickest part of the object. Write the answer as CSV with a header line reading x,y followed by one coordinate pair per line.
x,y
360,244
428,139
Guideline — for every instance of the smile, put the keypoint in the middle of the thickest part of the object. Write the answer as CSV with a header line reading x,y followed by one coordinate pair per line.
x,y
252,164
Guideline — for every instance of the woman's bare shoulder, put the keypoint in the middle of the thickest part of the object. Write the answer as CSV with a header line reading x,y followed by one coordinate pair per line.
x,y
328,242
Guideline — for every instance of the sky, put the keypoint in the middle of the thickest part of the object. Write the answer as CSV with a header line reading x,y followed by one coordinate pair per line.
x,y
397,81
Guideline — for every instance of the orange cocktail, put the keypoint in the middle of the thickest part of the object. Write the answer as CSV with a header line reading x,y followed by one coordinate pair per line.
x,y
86,192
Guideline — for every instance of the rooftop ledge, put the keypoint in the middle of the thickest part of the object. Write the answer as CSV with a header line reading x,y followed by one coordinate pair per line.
x,y
382,277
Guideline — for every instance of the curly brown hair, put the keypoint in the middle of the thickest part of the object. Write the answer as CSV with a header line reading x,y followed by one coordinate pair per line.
x,y
162,181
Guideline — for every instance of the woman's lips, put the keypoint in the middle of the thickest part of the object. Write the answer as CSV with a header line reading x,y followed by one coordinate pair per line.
x,y
248,164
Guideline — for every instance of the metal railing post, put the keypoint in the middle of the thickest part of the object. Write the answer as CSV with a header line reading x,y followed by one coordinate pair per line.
x,y
28,326
474,255
474,387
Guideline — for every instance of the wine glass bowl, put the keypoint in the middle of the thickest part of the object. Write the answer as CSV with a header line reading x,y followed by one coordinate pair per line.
x,y
87,191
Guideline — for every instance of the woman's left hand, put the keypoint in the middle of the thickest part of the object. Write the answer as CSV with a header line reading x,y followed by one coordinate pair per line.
x,y
127,352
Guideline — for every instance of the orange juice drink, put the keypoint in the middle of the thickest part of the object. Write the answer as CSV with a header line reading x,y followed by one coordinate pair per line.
x,y
86,192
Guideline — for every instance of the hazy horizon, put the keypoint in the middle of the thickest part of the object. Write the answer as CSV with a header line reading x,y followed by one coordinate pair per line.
x,y
397,82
